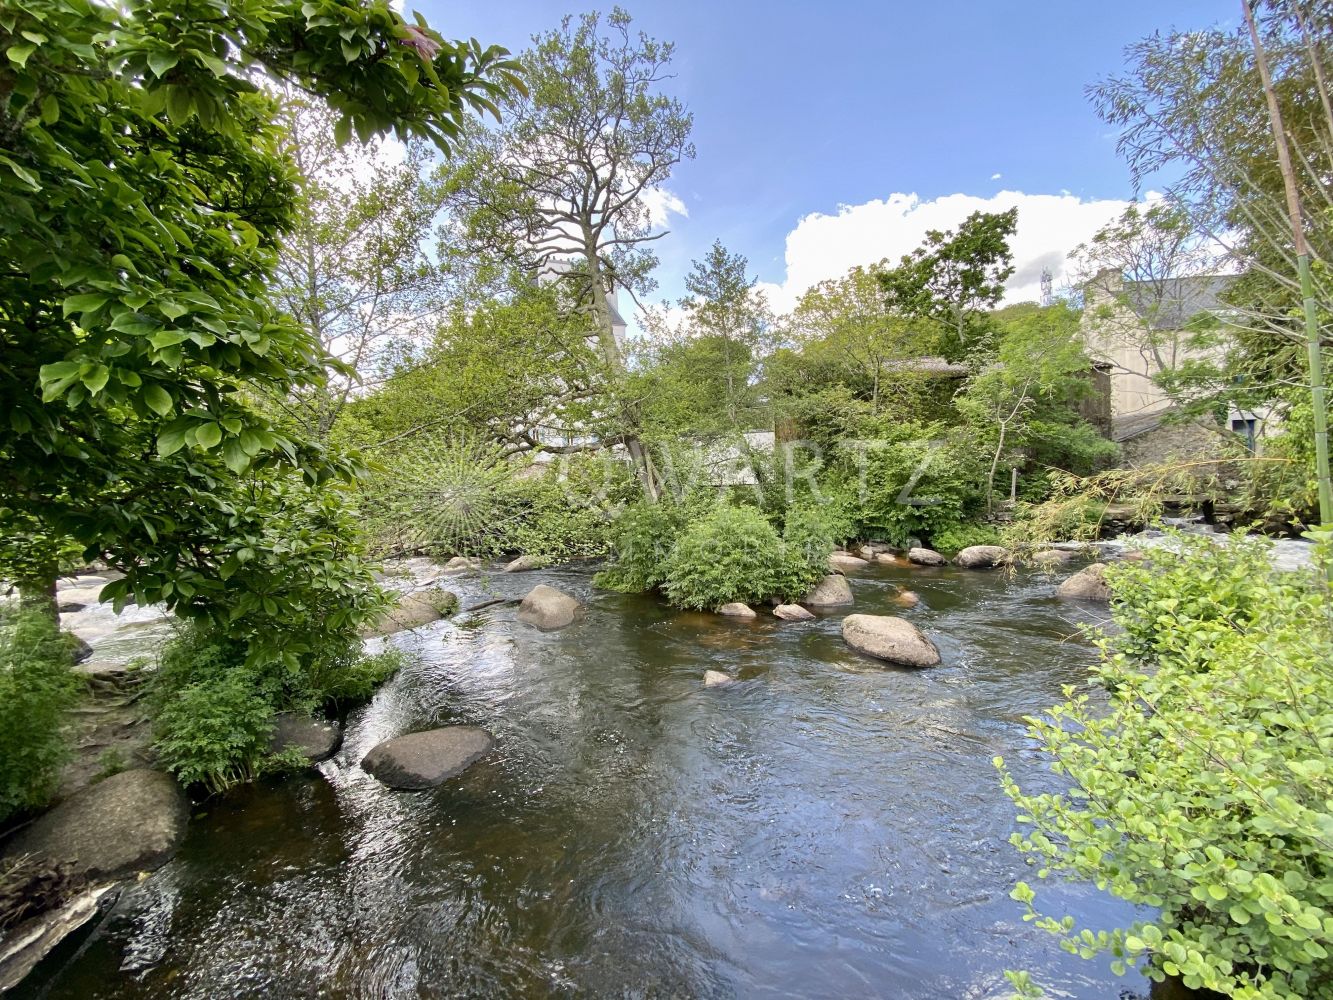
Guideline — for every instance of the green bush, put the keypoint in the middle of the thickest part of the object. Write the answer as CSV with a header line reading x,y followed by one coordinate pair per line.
x,y
1204,789
733,554
643,536
214,707
953,539
36,688
806,545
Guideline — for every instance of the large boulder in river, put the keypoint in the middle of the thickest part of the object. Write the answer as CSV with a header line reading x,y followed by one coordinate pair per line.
x,y
982,556
894,640
925,557
131,822
1088,584
736,609
548,608
840,562
414,610
792,613
314,739
427,759
831,592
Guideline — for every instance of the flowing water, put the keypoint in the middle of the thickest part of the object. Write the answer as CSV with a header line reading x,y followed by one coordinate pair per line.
x,y
827,827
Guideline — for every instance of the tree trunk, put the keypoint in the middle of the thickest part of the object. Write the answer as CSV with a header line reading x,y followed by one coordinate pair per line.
x,y
38,593
606,338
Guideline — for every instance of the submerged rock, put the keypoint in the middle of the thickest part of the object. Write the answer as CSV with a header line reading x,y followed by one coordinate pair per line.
x,y
1088,584
925,557
78,648
792,613
427,759
906,599
462,564
523,563
839,562
831,592
1052,557
130,822
894,640
890,559
982,556
414,610
317,740
548,608
736,610
716,679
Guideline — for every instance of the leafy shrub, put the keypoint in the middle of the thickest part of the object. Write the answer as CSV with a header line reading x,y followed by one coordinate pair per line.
x,y
806,544
36,688
643,536
214,708
1204,789
953,539
566,513
910,485
733,554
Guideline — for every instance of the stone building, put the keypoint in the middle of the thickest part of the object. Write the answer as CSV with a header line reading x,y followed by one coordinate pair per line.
x,y
1137,331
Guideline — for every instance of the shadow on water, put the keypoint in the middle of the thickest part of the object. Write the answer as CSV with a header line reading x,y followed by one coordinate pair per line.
x,y
825,828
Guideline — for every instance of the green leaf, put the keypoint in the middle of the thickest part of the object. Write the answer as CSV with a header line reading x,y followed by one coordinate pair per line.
x,y
234,456
161,61
171,440
208,435
158,400
87,302
18,54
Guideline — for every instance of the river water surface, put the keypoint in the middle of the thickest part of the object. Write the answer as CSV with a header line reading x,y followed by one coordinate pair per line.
x,y
827,827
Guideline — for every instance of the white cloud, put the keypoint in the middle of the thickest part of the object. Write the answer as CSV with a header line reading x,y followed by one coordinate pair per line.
x,y
1049,227
996,177
662,204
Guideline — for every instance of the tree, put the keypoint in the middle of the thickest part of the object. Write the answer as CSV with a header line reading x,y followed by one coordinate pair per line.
x,y
1140,274
1036,373
1192,109
698,372
850,319
353,268
725,304
953,277
561,189
142,194
515,370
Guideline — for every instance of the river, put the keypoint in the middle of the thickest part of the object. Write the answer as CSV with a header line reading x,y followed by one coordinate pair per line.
x,y
827,827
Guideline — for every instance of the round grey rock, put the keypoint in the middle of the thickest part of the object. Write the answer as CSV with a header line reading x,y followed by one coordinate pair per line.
x,y
894,640
131,822
316,739
840,562
925,557
523,563
415,610
427,759
736,610
831,592
792,613
548,608
982,556
1088,584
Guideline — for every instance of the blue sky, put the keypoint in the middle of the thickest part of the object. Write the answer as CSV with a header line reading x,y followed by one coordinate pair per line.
x,y
874,121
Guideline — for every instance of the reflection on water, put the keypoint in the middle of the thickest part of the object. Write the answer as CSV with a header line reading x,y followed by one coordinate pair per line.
x,y
825,828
